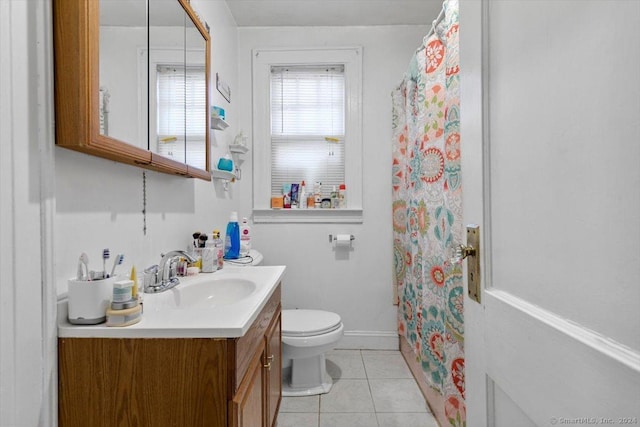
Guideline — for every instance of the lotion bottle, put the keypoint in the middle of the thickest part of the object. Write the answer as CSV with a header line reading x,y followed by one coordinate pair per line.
x,y
303,196
219,249
342,196
245,238
334,198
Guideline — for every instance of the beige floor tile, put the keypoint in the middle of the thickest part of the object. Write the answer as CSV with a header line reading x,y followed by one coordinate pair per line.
x,y
288,419
406,419
347,396
352,352
371,389
385,365
300,404
348,420
343,364
397,395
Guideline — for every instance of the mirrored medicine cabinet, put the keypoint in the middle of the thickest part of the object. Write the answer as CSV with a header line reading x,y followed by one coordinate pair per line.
x,y
132,83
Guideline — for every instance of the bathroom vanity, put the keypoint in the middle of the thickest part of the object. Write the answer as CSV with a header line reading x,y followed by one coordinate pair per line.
x,y
184,364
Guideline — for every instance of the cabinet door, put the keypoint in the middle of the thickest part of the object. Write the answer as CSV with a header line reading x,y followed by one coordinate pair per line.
x,y
248,404
273,382
129,382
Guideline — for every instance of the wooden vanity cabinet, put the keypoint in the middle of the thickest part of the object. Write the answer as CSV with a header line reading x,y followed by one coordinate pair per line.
x,y
174,381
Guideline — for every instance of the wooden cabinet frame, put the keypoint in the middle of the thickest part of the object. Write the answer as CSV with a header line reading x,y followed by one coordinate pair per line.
x,y
76,79
273,371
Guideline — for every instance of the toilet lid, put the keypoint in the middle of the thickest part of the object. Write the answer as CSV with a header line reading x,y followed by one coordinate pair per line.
x,y
308,322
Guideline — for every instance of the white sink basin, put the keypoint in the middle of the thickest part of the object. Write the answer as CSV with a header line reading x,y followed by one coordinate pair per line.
x,y
210,305
213,293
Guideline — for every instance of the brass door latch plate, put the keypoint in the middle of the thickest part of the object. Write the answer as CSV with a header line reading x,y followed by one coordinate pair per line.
x,y
473,263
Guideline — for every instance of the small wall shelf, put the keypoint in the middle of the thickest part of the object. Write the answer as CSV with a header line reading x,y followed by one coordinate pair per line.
x,y
237,148
224,175
218,123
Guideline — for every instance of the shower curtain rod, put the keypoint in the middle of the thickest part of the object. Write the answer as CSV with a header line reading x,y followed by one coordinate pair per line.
x,y
433,28
435,22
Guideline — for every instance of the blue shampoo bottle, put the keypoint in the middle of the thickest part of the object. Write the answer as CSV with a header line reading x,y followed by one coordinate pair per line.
x,y
232,238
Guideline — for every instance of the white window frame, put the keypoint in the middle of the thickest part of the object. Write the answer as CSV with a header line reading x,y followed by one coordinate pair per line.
x,y
263,60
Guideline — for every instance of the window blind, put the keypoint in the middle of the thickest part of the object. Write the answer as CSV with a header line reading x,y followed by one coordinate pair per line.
x,y
181,107
307,107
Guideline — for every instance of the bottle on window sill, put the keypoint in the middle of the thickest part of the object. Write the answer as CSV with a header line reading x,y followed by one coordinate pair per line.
x,y
342,196
334,198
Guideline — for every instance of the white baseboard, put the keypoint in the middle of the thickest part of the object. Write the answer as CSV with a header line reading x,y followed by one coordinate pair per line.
x,y
369,340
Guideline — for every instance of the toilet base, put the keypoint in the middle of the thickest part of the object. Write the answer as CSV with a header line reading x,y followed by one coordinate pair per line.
x,y
306,377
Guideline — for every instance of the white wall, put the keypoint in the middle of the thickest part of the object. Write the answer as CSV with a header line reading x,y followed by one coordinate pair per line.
x,y
56,203
99,202
27,295
356,284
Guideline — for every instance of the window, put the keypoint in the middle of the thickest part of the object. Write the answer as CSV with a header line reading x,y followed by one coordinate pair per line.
x,y
181,103
307,126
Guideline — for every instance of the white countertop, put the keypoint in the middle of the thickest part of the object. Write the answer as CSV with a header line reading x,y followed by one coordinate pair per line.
x,y
162,319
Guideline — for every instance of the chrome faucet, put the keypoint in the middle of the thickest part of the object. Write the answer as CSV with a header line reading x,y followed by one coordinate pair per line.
x,y
162,277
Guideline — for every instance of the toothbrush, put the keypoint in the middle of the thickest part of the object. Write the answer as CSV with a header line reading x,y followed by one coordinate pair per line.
x,y
116,262
105,257
83,260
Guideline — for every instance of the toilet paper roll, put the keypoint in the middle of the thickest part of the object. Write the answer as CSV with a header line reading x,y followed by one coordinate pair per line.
x,y
343,240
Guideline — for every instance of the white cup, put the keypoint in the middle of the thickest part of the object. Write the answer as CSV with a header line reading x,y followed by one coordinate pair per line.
x,y
89,300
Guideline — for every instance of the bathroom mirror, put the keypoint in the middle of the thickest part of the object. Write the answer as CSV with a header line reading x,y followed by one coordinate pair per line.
x,y
110,58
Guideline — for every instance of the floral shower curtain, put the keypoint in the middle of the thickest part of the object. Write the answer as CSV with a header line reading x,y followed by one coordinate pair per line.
x,y
427,214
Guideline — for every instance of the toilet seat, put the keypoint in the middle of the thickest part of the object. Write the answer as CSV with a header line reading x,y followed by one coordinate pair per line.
x,y
306,323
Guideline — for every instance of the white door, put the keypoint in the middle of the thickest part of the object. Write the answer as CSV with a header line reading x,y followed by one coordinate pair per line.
x,y
550,99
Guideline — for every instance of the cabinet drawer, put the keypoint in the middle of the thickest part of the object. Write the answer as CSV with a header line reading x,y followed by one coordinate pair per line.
x,y
244,348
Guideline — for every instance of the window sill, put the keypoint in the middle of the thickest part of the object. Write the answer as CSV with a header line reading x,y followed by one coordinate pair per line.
x,y
318,216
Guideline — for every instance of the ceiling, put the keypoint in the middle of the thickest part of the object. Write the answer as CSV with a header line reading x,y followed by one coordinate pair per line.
x,y
259,13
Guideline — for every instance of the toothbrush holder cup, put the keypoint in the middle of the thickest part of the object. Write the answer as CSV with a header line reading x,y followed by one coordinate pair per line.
x,y
89,300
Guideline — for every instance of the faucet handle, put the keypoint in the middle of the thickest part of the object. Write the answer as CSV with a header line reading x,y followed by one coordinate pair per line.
x,y
171,270
150,276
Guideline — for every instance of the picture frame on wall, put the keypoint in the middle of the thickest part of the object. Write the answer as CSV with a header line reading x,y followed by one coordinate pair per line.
x,y
223,88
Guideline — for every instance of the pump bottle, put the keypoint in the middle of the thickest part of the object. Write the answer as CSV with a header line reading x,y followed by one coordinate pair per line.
x,y
245,238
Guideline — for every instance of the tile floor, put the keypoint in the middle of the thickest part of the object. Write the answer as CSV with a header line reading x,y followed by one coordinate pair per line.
x,y
370,389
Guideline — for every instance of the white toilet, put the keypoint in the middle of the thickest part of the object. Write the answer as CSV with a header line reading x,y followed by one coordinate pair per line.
x,y
254,258
306,336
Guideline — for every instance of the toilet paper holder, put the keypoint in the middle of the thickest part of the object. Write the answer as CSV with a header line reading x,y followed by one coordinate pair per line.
x,y
334,237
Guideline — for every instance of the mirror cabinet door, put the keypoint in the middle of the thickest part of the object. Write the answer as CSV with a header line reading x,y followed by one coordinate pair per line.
x,y
122,73
166,71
